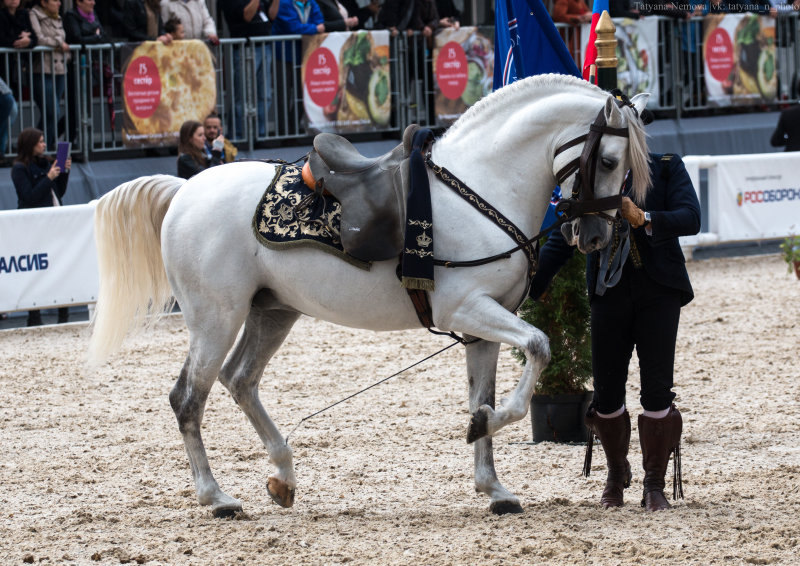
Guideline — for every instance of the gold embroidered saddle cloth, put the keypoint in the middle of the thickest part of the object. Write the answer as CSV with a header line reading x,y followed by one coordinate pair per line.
x,y
287,215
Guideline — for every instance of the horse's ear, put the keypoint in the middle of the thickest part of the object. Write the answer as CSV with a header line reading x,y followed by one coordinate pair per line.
x,y
640,101
613,114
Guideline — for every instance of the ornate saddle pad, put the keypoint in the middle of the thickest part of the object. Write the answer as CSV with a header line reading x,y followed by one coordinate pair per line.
x,y
279,223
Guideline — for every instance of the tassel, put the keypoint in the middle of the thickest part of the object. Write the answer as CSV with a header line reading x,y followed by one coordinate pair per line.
x,y
587,459
677,479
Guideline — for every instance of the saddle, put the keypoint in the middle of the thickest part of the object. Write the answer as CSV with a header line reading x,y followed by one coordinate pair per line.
x,y
371,190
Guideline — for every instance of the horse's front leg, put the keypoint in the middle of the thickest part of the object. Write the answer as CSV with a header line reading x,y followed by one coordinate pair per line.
x,y
485,318
481,372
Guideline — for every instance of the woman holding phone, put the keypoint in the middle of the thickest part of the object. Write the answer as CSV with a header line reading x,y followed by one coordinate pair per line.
x,y
39,183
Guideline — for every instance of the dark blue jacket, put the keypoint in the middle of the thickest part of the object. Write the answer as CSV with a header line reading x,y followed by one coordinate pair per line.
x,y
674,211
33,186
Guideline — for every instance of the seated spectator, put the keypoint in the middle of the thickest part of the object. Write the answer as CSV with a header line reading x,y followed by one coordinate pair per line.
x,y
49,71
570,12
212,126
449,15
82,26
8,115
15,27
39,184
787,132
141,21
191,150
251,18
195,17
301,17
623,9
363,13
174,27
335,16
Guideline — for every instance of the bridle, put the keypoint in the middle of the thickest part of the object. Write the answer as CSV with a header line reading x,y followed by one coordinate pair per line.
x,y
582,204
586,165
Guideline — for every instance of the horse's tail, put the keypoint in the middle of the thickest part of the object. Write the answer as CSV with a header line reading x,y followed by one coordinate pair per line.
x,y
133,282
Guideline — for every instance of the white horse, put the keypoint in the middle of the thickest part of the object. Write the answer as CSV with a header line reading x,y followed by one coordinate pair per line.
x,y
160,237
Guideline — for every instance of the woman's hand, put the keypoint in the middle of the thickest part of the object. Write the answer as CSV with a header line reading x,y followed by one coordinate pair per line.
x,y
54,172
23,40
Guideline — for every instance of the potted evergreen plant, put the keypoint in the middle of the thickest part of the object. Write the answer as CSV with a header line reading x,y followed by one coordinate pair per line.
x,y
790,251
561,398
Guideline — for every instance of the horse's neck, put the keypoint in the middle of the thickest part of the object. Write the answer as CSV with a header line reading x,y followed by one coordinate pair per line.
x,y
507,157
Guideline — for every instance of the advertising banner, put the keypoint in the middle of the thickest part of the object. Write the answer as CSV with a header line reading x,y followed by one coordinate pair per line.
x,y
47,257
739,59
162,87
755,197
346,81
463,65
637,55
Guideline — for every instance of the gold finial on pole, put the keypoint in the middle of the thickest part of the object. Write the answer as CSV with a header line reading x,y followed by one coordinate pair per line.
x,y
606,44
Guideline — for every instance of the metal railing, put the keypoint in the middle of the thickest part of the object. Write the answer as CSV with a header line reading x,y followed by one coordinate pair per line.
x,y
260,90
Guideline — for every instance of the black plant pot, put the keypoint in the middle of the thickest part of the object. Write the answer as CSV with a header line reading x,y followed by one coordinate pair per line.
x,y
559,418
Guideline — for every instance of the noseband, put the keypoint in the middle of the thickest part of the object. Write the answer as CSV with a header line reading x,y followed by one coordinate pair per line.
x,y
586,165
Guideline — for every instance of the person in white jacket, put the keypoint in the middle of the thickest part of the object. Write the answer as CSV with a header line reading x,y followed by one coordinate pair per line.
x,y
195,17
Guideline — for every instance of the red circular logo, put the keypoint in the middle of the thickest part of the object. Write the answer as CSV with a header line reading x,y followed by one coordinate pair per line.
x,y
451,70
142,87
719,54
322,76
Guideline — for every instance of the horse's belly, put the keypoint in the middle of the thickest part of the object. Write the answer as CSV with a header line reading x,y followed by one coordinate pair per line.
x,y
325,287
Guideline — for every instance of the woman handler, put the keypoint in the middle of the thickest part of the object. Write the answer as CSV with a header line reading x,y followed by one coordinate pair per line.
x,y
636,302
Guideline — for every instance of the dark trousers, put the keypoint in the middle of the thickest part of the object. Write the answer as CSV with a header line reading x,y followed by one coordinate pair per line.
x,y
636,312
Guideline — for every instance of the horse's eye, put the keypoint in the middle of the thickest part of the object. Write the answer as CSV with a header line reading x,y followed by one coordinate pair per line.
x,y
608,163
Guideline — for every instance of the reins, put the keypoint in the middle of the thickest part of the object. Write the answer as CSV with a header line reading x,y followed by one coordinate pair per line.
x,y
384,380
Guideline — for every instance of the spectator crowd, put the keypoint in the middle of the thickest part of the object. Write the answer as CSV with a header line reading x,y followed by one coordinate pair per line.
x,y
25,24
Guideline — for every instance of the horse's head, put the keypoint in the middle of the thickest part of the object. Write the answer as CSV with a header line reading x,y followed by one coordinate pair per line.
x,y
592,181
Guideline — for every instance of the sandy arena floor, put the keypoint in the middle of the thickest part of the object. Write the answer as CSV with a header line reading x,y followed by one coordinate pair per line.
x,y
94,470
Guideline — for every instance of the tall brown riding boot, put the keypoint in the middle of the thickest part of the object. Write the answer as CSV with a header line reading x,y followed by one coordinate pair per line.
x,y
659,439
615,437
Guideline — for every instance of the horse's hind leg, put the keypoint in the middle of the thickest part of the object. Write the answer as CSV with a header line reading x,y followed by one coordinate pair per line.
x,y
189,395
264,331
481,371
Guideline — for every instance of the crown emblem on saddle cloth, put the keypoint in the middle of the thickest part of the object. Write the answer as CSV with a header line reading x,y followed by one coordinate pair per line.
x,y
423,240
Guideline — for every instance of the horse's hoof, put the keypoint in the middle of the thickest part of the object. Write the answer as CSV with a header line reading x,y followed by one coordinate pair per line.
x,y
280,492
478,426
225,512
505,507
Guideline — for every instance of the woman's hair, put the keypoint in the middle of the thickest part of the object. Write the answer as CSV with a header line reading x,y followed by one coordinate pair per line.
x,y
154,5
185,145
26,142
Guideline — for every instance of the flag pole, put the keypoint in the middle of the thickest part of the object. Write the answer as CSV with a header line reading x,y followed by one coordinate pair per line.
x,y
606,44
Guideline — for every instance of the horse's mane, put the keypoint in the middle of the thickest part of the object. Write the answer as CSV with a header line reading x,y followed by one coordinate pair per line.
x,y
528,87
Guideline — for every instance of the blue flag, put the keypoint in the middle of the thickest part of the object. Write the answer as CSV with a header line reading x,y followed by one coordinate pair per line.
x,y
527,43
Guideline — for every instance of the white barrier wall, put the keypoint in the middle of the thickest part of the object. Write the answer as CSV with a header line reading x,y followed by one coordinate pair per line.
x,y
750,197
47,257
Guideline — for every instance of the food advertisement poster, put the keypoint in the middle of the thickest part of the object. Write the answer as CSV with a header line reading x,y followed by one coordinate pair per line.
x,y
739,59
346,81
637,56
162,87
463,66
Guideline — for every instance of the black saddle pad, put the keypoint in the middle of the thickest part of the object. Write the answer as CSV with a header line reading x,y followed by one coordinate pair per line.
x,y
279,223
